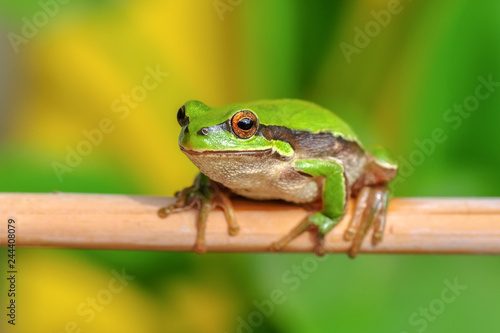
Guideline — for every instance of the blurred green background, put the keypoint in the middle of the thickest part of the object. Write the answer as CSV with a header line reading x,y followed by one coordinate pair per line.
x,y
396,72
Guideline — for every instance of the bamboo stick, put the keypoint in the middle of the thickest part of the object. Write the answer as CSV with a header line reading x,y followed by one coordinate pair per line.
x,y
100,221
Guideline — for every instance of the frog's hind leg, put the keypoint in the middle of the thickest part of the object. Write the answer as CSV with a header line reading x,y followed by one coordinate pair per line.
x,y
371,208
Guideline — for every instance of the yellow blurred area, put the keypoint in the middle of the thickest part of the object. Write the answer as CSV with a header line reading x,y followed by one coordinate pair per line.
x,y
60,294
79,67
198,306
57,293
75,69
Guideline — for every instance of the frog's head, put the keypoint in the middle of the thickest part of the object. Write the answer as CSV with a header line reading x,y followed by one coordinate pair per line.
x,y
229,143
225,130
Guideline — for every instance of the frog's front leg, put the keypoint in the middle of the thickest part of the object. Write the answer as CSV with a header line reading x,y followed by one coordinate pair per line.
x,y
203,195
335,195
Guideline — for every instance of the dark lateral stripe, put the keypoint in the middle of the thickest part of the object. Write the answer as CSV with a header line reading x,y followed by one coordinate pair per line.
x,y
312,144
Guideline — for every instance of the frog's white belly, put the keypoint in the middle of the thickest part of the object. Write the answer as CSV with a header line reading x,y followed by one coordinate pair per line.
x,y
258,177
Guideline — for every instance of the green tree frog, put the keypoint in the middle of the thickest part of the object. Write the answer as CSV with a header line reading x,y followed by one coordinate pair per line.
x,y
286,149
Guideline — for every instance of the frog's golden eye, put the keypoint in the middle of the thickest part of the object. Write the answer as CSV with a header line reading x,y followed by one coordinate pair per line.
x,y
244,124
181,115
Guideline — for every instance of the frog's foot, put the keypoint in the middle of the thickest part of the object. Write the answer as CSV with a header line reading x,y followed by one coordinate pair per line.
x,y
371,207
204,196
318,223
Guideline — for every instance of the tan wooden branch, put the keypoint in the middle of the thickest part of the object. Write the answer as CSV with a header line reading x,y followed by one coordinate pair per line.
x,y
95,221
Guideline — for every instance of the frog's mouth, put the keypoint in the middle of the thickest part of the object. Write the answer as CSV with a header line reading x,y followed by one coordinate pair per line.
x,y
253,153
268,151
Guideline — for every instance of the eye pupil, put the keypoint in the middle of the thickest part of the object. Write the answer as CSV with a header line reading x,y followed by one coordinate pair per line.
x,y
245,124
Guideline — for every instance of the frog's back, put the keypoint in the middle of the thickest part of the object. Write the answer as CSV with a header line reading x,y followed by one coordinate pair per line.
x,y
365,168
302,115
